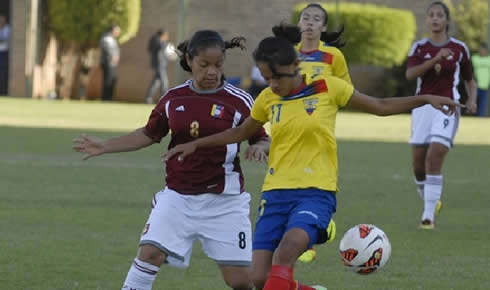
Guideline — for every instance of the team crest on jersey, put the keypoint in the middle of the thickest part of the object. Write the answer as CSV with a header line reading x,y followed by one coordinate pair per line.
x,y
217,111
310,105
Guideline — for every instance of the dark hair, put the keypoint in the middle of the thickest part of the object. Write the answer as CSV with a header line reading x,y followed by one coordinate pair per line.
x,y
333,38
444,7
161,31
279,49
203,39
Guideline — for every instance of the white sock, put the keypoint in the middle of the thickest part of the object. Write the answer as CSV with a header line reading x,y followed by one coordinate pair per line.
x,y
140,276
432,194
420,188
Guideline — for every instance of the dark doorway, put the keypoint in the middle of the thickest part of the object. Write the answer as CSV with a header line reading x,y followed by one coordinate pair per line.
x,y
4,45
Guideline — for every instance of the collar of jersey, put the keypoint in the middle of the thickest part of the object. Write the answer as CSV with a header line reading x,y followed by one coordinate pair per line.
x,y
306,90
206,92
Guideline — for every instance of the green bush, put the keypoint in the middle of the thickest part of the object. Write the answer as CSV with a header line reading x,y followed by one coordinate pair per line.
x,y
374,35
84,21
471,17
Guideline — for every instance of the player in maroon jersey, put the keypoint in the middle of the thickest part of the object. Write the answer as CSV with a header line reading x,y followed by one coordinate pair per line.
x,y
437,62
204,197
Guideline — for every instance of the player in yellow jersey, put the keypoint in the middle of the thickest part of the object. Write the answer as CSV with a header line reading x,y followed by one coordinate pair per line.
x,y
320,56
318,50
299,191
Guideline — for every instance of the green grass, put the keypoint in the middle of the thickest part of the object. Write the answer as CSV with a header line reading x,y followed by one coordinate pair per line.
x,y
72,224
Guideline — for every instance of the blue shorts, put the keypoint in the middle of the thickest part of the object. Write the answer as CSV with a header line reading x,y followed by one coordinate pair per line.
x,y
281,210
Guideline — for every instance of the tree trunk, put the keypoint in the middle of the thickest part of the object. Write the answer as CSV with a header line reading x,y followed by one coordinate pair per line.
x,y
69,68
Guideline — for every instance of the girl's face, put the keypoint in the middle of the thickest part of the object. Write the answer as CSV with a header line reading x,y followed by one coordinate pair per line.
x,y
436,19
207,68
311,23
283,81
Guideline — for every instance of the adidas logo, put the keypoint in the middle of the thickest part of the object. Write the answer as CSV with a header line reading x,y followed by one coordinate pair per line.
x,y
427,56
180,108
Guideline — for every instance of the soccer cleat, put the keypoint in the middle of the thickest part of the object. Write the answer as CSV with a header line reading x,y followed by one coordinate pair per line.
x,y
427,224
318,287
331,230
308,256
438,207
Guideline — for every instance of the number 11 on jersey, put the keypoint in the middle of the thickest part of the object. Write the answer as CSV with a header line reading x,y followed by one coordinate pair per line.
x,y
276,112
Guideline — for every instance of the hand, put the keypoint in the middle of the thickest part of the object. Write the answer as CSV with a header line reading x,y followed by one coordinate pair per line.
x,y
444,53
185,149
258,152
91,146
443,104
470,107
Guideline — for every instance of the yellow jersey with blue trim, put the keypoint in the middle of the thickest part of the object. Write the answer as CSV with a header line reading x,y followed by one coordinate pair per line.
x,y
303,151
325,61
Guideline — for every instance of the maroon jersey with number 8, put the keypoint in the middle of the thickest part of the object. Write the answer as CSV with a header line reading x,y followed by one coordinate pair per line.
x,y
188,114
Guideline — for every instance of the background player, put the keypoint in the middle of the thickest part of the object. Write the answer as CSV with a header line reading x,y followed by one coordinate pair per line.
x,y
298,198
204,197
318,50
436,62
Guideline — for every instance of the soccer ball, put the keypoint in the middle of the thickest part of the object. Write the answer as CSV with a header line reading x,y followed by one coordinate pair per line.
x,y
365,248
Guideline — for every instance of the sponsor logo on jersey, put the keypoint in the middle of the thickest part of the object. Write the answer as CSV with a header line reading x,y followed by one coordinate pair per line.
x,y
427,56
180,108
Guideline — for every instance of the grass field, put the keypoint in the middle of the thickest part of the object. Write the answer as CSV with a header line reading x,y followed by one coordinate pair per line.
x,y
72,224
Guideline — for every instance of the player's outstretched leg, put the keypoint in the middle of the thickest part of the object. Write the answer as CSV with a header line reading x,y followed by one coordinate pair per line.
x,y
310,254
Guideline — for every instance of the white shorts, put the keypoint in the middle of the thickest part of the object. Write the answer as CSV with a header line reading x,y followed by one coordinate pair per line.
x,y
430,125
220,222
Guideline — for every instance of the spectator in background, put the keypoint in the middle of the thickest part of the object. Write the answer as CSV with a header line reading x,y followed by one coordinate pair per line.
x,y
258,82
109,61
4,54
161,52
481,65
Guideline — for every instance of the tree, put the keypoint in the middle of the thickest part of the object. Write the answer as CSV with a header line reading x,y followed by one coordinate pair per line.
x,y
78,26
471,17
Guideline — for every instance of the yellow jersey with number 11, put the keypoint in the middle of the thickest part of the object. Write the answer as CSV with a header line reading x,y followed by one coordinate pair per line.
x,y
303,151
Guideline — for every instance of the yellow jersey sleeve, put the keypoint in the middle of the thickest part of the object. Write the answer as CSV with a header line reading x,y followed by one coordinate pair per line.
x,y
339,67
259,110
343,90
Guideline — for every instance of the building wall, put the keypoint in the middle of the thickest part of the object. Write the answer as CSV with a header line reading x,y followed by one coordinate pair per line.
x,y
252,19
17,49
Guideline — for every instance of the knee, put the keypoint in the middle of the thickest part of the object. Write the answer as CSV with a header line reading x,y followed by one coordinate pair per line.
x,y
152,255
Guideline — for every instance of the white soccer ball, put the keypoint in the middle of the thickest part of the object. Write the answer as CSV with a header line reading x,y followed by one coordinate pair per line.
x,y
365,248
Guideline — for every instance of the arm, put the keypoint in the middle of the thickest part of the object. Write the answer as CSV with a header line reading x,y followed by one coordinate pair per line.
x,y
392,106
229,136
419,70
470,87
93,147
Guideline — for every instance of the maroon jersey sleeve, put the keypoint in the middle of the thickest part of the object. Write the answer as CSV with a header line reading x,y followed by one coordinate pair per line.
x,y
157,126
466,65
414,56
